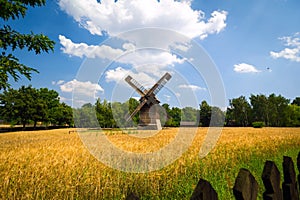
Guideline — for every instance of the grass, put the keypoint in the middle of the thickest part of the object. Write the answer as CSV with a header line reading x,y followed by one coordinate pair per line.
x,y
56,165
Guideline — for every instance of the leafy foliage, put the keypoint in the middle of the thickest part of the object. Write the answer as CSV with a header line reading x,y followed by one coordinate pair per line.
x,y
205,114
11,40
258,124
240,111
273,110
29,105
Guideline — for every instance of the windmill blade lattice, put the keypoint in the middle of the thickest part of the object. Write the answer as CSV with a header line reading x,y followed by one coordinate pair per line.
x,y
160,84
136,85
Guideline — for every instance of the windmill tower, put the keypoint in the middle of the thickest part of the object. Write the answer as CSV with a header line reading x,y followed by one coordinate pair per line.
x,y
149,116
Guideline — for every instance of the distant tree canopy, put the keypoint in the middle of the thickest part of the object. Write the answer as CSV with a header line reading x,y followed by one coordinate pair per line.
x,y
272,110
28,105
11,40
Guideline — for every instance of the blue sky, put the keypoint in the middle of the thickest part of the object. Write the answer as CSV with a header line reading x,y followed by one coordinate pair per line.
x,y
255,46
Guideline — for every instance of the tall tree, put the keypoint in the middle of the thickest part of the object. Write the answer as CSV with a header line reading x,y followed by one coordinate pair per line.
x,y
240,111
189,114
278,110
31,105
218,117
18,105
293,115
86,117
11,40
260,108
205,114
175,117
132,105
61,115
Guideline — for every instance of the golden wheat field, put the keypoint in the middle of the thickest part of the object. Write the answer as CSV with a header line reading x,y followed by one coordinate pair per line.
x,y
54,164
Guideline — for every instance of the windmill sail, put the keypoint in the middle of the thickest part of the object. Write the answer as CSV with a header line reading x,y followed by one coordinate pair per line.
x,y
160,84
133,83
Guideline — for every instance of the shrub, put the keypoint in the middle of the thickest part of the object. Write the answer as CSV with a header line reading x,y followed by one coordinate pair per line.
x,y
258,124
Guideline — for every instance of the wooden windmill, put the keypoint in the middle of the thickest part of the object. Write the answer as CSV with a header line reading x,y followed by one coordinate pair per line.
x,y
149,116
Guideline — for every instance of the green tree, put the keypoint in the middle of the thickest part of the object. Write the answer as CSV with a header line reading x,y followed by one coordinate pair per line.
x,y
7,103
296,101
61,115
239,111
50,98
174,117
260,108
18,105
205,114
85,117
104,114
119,113
11,40
218,116
45,101
189,114
30,105
293,115
132,105
278,110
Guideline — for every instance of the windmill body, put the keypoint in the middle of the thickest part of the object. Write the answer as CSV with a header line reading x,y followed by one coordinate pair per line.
x,y
148,107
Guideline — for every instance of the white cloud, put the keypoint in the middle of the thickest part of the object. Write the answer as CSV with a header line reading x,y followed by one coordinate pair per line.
x,y
191,87
150,57
123,15
90,51
292,52
118,75
136,58
83,88
57,82
245,68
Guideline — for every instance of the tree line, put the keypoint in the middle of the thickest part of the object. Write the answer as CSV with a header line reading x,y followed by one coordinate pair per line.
x,y
28,105
273,110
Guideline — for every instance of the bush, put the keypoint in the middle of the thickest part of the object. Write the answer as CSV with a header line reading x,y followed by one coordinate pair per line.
x,y
258,124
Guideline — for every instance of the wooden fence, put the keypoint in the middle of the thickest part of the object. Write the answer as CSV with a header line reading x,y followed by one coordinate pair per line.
x,y
246,187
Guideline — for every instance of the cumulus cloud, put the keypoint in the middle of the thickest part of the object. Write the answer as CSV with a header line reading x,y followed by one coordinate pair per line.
x,y
191,87
151,57
89,51
111,18
84,88
123,15
245,68
118,75
128,55
292,50
57,82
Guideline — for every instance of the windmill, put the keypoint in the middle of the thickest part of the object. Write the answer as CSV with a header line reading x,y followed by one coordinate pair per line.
x,y
149,116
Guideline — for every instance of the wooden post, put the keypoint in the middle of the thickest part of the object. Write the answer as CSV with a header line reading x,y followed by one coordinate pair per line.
x,y
271,180
204,191
245,186
289,186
